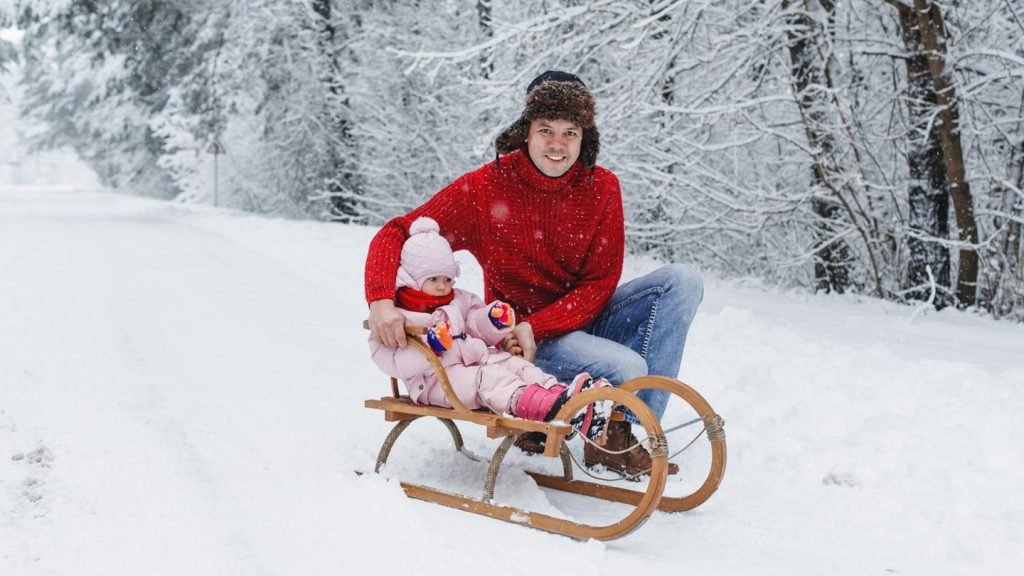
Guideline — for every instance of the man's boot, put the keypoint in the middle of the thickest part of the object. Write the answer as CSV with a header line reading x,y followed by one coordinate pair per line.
x,y
620,437
532,442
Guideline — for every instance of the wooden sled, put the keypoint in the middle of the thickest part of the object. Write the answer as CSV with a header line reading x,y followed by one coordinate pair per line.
x,y
401,409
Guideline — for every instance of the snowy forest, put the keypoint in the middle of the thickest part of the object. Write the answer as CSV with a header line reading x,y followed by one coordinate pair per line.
x,y
866,146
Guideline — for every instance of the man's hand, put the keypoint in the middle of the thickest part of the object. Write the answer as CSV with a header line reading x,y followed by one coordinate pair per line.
x,y
520,342
387,325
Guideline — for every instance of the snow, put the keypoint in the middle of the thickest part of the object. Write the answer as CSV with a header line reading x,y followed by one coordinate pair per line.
x,y
17,166
181,393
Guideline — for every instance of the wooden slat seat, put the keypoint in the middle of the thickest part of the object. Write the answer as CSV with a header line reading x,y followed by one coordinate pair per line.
x,y
402,408
397,408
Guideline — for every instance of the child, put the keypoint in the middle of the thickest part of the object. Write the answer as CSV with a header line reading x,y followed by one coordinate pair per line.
x,y
462,331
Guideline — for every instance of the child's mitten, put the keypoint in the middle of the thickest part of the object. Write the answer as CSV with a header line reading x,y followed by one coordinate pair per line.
x,y
501,315
439,336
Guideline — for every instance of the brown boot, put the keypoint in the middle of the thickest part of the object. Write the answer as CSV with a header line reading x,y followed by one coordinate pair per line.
x,y
620,437
532,442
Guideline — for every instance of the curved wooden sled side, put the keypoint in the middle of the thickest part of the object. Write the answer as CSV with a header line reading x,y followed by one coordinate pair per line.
x,y
645,503
716,470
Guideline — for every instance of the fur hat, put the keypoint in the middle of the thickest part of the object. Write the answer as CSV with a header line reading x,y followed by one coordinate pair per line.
x,y
426,253
555,95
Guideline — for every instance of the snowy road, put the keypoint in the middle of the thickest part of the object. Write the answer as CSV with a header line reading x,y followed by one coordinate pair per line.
x,y
181,393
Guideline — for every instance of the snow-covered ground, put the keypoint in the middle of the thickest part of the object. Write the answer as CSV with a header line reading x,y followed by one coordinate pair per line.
x,y
181,393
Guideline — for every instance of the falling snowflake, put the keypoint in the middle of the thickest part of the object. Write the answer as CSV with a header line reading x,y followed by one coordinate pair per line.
x,y
499,210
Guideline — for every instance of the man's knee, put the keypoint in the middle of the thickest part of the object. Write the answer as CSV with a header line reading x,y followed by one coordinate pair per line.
x,y
685,279
623,367
683,289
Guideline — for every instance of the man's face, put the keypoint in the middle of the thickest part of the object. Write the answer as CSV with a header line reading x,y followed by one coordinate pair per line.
x,y
554,145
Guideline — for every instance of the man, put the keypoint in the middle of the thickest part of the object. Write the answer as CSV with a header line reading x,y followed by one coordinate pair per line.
x,y
545,223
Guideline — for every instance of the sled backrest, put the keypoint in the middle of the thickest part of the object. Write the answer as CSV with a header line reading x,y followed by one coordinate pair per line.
x,y
414,334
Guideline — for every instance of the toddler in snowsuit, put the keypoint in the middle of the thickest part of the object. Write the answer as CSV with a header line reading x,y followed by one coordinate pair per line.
x,y
463,331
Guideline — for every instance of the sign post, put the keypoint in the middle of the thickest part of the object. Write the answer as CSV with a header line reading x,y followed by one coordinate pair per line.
x,y
217,149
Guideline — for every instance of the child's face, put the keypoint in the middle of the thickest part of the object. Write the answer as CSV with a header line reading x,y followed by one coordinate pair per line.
x,y
438,285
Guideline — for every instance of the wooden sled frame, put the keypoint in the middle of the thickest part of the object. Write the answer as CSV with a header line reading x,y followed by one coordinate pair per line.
x,y
402,410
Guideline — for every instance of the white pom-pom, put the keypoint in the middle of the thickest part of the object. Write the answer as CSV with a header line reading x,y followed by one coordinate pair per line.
x,y
423,225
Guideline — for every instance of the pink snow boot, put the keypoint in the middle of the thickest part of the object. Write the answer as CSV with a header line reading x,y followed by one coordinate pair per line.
x,y
594,418
538,403
542,404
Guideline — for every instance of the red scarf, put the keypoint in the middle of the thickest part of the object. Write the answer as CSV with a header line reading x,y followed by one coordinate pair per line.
x,y
419,301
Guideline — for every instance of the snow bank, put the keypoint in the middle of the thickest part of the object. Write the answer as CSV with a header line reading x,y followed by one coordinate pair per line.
x,y
181,393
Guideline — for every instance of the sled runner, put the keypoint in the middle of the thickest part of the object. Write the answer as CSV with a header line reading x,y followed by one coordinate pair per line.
x,y
403,411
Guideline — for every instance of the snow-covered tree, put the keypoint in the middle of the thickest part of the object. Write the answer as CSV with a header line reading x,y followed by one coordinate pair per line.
x,y
7,55
97,73
873,146
274,87
7,51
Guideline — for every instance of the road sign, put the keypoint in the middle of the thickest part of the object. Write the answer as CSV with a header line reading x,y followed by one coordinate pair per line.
x,y
216,148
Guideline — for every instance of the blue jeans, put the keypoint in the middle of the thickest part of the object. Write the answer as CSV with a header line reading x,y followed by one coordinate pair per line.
x,y
642,331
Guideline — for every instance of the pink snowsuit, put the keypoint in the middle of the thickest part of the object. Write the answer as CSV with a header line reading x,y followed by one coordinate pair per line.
x,y
481,376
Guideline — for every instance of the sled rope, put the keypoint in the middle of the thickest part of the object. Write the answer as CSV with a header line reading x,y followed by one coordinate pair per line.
x,y
651,443
385,450
492,470
389,442
656,445
587,472
715,428
499,455
683,425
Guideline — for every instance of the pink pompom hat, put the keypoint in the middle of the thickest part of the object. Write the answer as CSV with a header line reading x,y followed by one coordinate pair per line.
x,y
425,254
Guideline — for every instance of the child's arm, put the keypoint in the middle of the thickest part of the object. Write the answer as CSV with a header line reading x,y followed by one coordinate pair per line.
x,y
490,322
402,363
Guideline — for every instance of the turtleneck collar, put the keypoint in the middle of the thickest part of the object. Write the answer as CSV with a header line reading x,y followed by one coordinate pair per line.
x,y
536,179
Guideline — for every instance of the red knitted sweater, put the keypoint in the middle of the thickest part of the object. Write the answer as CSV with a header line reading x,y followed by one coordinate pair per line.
x,y
550,247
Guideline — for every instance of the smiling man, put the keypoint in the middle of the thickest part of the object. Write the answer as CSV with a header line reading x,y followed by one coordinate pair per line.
x,y
554,145
545,223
